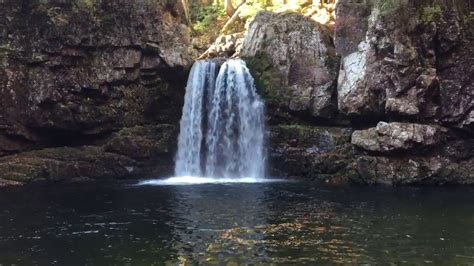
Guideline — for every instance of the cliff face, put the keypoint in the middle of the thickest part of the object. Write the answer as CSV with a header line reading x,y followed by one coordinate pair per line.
x,y
104,78
417,68
404,81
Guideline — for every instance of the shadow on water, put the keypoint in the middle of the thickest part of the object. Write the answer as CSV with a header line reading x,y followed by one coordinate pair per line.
x,y
280,223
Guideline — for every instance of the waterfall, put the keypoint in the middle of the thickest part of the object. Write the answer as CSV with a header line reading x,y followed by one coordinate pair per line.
x,y
201,80
222,126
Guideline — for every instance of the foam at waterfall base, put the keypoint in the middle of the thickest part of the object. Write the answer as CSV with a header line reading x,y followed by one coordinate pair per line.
x,y
195,180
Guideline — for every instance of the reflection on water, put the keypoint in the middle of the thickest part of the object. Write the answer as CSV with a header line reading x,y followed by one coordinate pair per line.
x,y
279,223
207,214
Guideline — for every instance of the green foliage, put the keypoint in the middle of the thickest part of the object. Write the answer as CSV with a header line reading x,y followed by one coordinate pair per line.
x,y
204,16
251,8
430,14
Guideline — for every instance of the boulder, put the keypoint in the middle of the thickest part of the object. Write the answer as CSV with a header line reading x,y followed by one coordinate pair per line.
x,y
396,137
226,46
294,63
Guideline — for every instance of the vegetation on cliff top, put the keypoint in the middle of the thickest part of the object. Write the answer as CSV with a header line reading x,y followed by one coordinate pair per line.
x,y
203,13
213,18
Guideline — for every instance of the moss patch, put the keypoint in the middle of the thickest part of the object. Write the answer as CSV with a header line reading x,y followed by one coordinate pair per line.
x,y
387,7
267,79
431,14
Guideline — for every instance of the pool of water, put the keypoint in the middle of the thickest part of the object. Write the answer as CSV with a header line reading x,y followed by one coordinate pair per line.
x,y
241,223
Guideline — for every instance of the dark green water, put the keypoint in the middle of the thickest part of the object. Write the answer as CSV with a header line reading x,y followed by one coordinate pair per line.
x,y
279,223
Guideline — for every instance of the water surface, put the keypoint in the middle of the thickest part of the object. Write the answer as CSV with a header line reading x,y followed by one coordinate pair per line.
x,y
279,223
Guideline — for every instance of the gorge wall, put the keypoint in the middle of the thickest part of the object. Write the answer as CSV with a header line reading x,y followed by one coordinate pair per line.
x,y
94,90
90,89
399,73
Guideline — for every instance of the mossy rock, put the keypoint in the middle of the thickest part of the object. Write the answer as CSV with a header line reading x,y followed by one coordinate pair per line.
x,y
65,163
144,142
267,79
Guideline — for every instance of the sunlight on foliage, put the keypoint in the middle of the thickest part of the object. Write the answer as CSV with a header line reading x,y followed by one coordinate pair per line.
x,y
204,16
321,11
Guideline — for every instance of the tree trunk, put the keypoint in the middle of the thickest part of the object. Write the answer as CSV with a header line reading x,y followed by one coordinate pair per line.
x,y
187,13
229,8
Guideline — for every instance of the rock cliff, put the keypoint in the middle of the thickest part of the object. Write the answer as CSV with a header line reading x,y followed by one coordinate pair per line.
x,y
398,74
94,90
90,89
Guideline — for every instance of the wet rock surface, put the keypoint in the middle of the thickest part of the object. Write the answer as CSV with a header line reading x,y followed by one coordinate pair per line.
x,y
319,153
138,152
411,170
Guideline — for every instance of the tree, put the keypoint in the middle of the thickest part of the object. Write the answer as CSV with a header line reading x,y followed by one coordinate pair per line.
x,y
187,12
229,8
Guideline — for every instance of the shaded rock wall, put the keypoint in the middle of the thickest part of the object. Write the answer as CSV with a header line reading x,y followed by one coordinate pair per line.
x,y
320,153
75,72
404,81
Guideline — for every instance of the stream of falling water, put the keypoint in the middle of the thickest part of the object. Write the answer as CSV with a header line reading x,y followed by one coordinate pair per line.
x,y
222,126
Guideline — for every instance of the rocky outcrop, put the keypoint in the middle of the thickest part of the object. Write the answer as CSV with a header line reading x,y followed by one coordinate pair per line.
x,y
395,61
406,62
412,62
405,153
391,137
294,63
138,152
57,164
75,72
411,170
226,46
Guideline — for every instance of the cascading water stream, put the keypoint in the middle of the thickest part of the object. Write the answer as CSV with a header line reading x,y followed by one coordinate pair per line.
x,y
222,127
188,158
